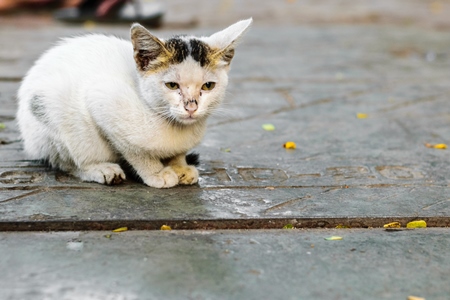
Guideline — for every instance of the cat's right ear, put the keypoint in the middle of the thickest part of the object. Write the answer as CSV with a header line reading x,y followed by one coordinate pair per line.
x,y
147,47
226,40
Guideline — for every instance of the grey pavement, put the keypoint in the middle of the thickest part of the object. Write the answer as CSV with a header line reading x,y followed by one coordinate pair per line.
x,y
269,264
308,70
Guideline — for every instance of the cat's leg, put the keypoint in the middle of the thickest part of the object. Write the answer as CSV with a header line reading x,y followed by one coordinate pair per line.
x,y
152,171
96,162
105,173
71,144
85,153
186,174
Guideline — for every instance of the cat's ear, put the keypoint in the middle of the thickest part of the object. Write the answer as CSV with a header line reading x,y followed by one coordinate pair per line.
x,y
147,47
226,40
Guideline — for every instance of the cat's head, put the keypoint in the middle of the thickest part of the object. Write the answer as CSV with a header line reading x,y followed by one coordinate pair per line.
x,y
184,78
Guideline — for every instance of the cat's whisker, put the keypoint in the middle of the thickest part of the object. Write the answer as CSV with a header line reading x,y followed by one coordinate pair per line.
x,y
224,112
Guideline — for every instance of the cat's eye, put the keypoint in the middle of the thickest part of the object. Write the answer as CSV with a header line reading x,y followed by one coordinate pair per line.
x,y
172,85
208,86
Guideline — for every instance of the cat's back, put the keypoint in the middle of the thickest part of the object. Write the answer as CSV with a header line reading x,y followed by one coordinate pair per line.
x,y
79,59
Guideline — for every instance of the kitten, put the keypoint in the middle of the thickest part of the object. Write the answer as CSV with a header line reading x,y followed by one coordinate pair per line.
x,y
93,101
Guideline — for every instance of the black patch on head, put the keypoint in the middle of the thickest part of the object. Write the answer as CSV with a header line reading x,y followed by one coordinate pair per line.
x,y
37,108
179,48
199,52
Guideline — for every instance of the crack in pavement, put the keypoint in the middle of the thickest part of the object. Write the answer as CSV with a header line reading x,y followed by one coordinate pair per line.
x,y
434,204
425,99
274,112
287,203
53,224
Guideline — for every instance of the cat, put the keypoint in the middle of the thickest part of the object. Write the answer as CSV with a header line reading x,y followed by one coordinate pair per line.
x,y
93,101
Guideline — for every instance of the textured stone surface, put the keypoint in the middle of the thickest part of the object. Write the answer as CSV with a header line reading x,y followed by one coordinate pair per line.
x,y
310,82
306,67
287,264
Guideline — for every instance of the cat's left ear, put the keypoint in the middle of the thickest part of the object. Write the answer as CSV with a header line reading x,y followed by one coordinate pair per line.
x,y
224,42
147,47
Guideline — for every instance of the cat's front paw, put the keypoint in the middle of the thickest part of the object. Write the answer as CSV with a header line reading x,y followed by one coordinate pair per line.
x,y
166,178
186,174
105,173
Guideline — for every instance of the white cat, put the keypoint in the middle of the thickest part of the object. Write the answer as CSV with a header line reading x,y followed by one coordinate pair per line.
x,y
93,101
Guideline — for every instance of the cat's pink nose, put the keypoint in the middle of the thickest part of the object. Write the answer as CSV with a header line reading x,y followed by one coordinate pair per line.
x,y
191,106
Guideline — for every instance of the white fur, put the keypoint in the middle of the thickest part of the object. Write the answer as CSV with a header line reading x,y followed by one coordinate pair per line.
x,y
230,35
92,107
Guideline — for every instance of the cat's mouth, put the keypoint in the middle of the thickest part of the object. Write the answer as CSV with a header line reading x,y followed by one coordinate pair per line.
x,y
188,120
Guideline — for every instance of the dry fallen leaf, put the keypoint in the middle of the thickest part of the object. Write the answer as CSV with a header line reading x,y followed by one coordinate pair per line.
x,y
392,225
415,298
417,224
290,145
166,227
121,229
89,25
362,116
268,127
339,76
341,226
440,146
436,146
334,238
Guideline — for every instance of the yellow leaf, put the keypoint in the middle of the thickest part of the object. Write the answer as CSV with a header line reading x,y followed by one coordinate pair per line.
x,y
339,76
392,225
415,298
362,116
121,229
417,224
268,127
440,146
288,226
89,25
340,226
334,238
436,146
290,145
166,227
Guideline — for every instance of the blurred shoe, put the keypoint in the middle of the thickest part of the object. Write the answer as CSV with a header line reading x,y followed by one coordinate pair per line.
x,y
113,11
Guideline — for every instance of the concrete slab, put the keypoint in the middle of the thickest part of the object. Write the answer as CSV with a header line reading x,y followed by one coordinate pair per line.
x,y
363,172
287,264
307,68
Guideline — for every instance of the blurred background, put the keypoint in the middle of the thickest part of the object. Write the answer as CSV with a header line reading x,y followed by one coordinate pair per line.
x,y
217,13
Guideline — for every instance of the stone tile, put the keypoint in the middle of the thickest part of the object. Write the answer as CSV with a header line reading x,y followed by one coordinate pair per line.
x,y
288,264
310,82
